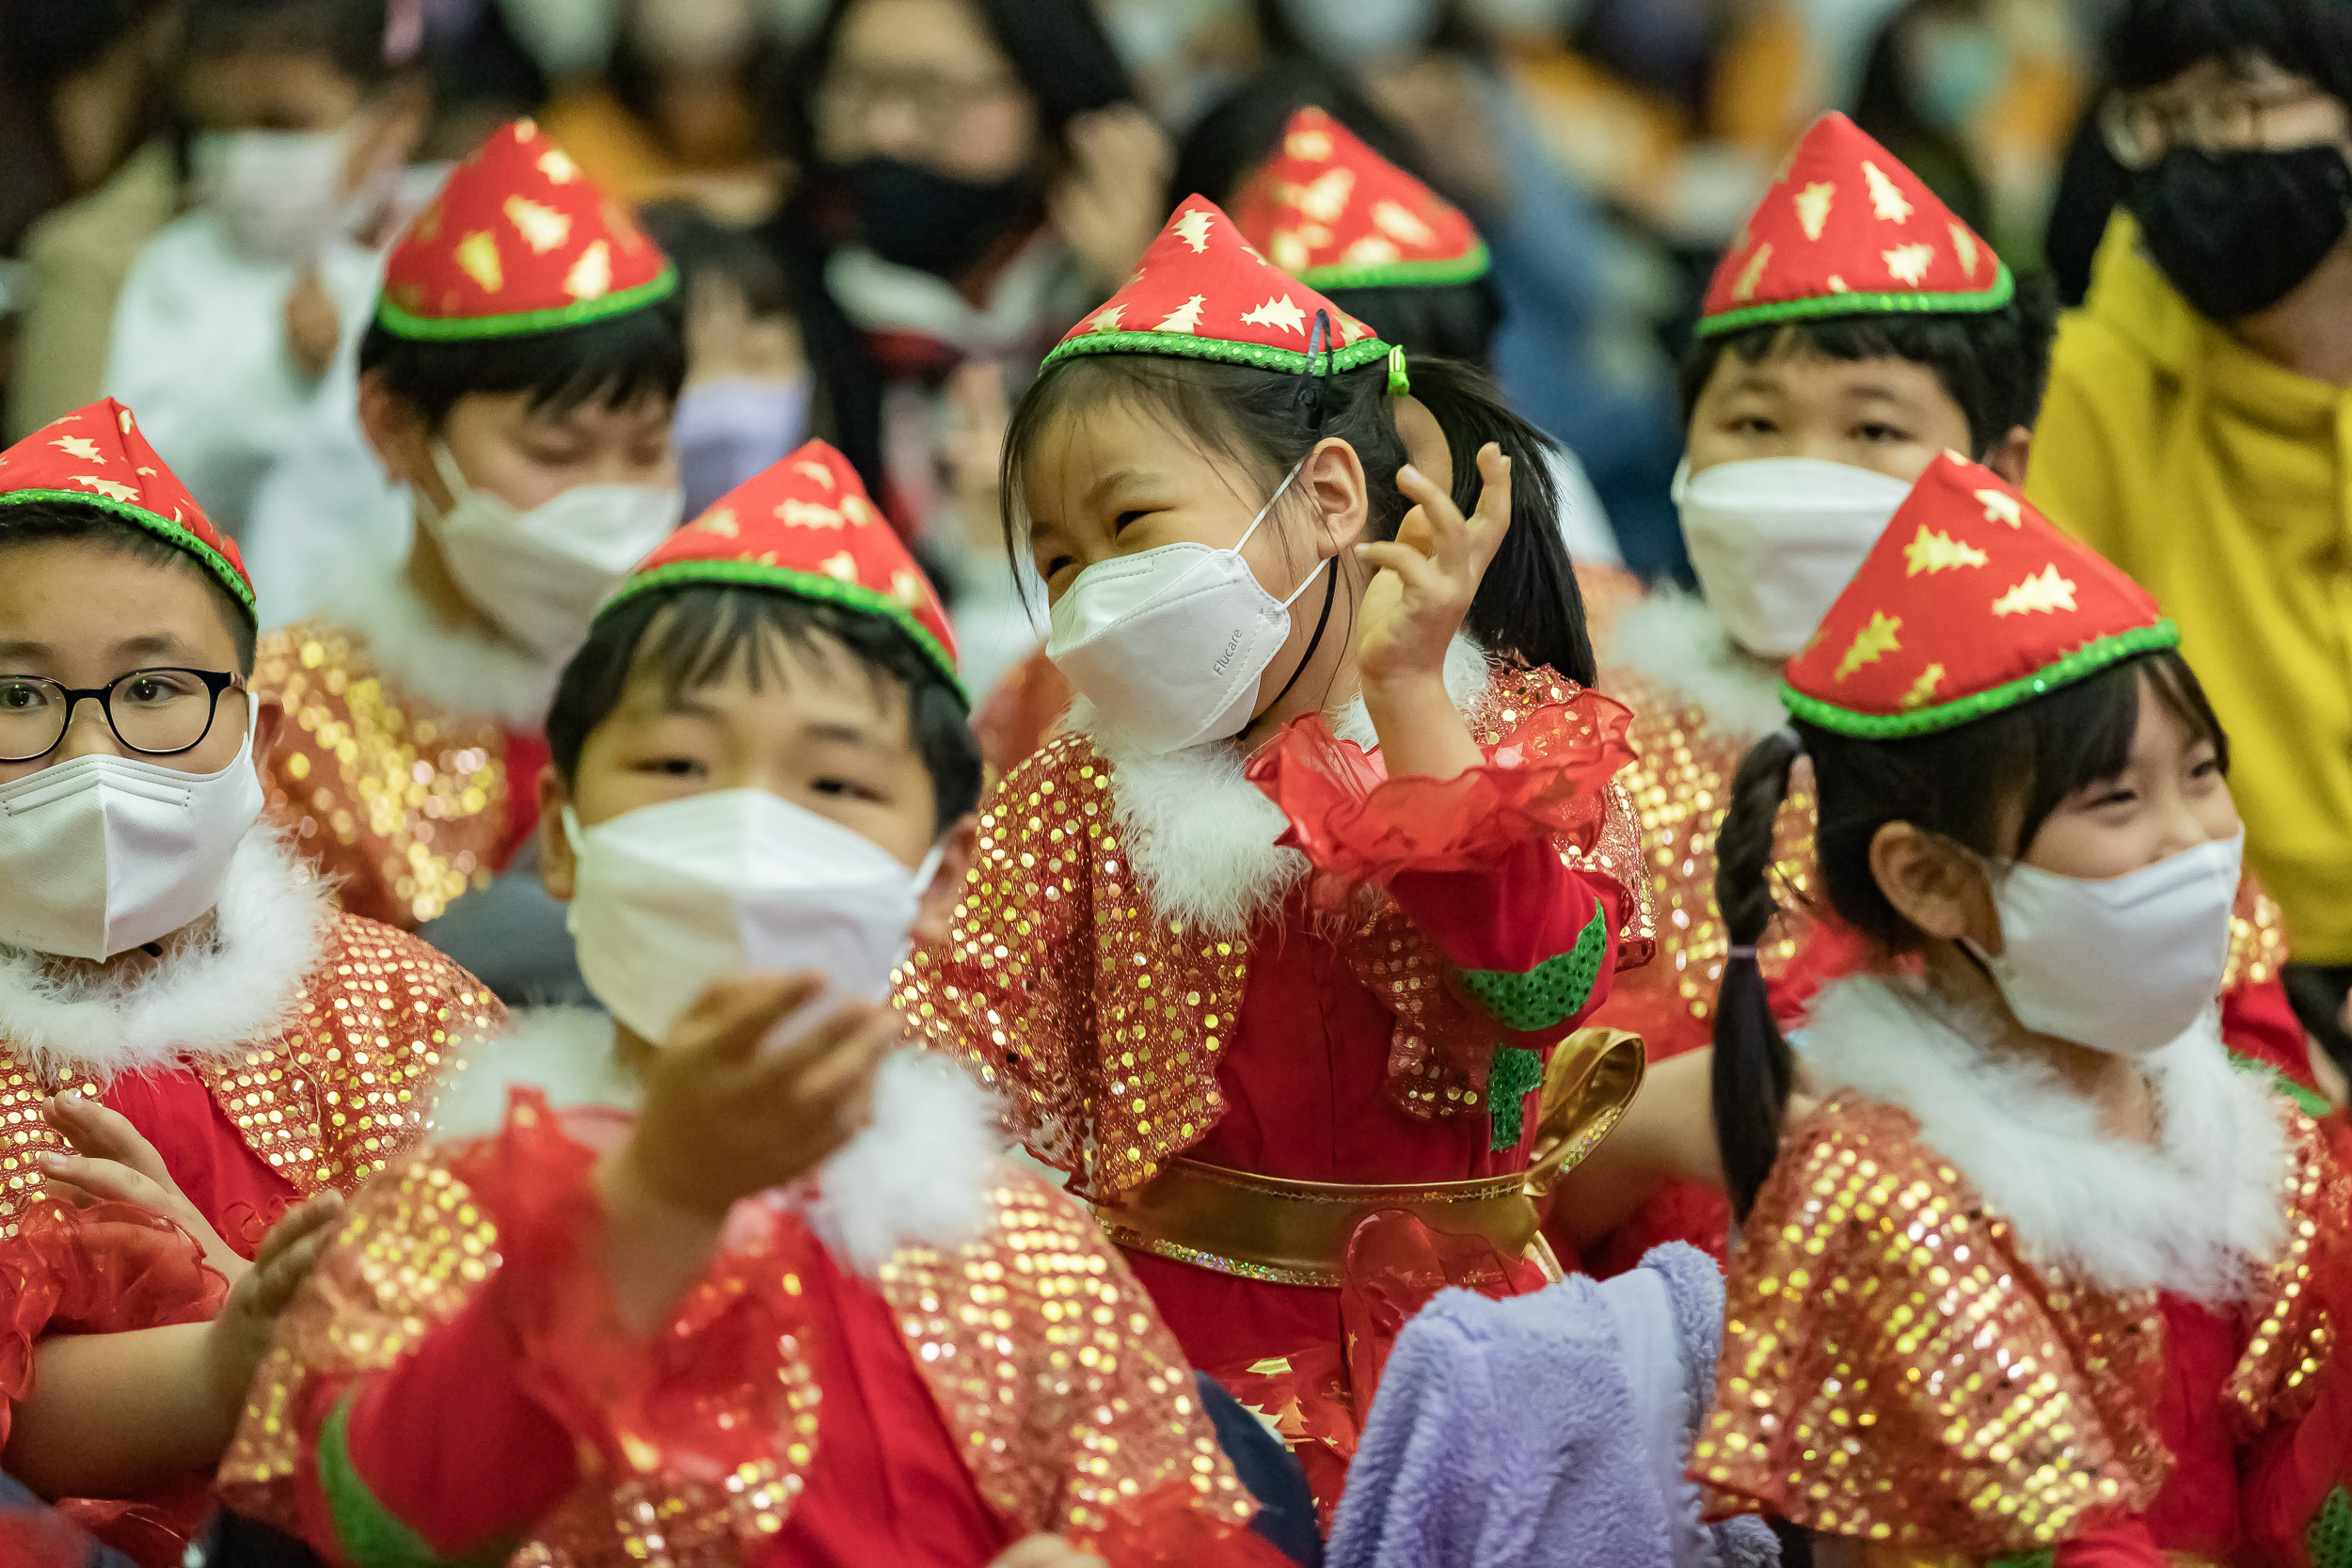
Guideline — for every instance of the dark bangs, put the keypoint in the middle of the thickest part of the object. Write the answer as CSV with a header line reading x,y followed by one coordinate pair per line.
x,y
611,363
1453,320
2155,40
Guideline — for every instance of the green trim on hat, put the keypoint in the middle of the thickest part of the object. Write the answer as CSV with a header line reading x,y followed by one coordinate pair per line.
x,y
2004,289
808,585
1466,268
1183,345
176,534
441,329
2082,663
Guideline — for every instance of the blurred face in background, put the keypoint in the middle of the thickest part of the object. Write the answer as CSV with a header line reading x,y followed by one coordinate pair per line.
x,y
921,81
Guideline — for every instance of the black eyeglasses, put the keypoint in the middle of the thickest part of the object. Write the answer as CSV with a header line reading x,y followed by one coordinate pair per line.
x,y
156,713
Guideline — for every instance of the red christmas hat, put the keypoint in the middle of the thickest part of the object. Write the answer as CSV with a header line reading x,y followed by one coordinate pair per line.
x,y
518,240
805,526
95,457
1202,292
1335,214
1970,602
1847,230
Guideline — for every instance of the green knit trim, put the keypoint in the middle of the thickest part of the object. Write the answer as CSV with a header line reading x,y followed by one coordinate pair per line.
x,y
808,585
1183,345
1551,993
2312,1102
2083,662
1466,268
2328,1536
176,534
2004,289
2024,1559
1513,1071
369,1534
443,329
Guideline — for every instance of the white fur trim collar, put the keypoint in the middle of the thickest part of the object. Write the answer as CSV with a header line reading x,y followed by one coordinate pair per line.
x,y
2196,1215
204,1000
1674,640
464,670
1199,834
917,1176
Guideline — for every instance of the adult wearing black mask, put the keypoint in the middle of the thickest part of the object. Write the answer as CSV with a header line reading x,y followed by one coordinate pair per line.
x,y
978,178
2195,426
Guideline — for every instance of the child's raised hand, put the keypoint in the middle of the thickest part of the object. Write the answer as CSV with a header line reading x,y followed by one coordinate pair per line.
x,y
241,1335
1428,575
725,1118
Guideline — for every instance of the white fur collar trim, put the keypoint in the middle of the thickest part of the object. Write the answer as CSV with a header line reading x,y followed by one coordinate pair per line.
x,y
1674,640
464,670
917,1176
1199,834
205,1001
2196,1215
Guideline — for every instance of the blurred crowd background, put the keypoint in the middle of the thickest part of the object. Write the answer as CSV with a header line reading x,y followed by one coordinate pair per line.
x,y
887,210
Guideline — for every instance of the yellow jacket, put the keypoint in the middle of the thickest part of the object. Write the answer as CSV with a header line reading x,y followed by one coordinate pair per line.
x,y
2223,483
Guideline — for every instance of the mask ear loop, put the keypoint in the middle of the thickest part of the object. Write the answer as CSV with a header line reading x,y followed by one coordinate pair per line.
x,y
1312,389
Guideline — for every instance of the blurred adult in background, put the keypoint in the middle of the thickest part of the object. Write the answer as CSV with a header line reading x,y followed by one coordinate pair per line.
x,y
2193,431
89,180
236,329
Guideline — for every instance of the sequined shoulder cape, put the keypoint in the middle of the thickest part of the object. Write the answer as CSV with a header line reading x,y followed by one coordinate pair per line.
x,y
341,1088
405,803
1895,1369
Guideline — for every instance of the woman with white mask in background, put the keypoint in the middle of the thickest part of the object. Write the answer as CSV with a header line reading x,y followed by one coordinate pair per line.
x,y
519,379
187,1024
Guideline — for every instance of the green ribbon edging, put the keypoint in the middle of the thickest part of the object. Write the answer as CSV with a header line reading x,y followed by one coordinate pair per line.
x,y
443,329
1466,268
176,534
1554,990
2024,1559
1183,345
1515,1071
2310,1101
371,1535
2082,663
2003,289
2328,1536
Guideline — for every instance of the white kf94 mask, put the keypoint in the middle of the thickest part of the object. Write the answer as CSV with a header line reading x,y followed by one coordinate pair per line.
x,y
669,898
1171,642
103,854
2123,965
1775,540
540,574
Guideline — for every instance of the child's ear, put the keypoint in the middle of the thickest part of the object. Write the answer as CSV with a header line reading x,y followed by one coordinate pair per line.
x,y
1333,479
269,716
558,868
2008,456
937,907
1934,885
397,432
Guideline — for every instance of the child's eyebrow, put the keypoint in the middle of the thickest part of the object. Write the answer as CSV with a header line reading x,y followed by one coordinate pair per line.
x,y
839,733
1116,479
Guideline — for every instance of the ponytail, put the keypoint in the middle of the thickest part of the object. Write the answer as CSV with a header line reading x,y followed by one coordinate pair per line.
x,y
1529,605
1752,1067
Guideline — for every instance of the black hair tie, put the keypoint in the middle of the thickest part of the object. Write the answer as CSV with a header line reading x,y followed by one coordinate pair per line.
x,y
1311,388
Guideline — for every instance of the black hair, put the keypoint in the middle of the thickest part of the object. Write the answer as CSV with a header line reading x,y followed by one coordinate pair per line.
x,y
614,362
2155,40
43,522
1450,321
698,244
1238,133
1965,784
1994,364
351,33
1528,607
690,634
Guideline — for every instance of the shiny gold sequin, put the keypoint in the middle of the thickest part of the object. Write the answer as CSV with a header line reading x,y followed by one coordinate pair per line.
x,y
1103,1023
340,1090
405,804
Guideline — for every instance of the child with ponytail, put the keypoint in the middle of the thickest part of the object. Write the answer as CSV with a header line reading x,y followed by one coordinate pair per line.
x,y
2032,1273
1271,950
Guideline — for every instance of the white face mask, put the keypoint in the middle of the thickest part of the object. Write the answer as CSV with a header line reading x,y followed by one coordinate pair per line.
x,y
541,574
103,853
1775,540
278,193
1171,642
2124,965
669,898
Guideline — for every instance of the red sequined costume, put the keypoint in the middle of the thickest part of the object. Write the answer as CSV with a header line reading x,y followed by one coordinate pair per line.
x,y
1971,1328
1654,651
455,1380
1322,1031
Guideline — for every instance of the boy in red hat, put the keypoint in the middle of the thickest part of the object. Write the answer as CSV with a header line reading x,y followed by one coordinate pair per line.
x,y
2037,1274
519,380
661,1293
185,1019
1853,331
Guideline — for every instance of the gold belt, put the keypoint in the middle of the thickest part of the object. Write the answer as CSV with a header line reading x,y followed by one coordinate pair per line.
x,y
1296,1232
